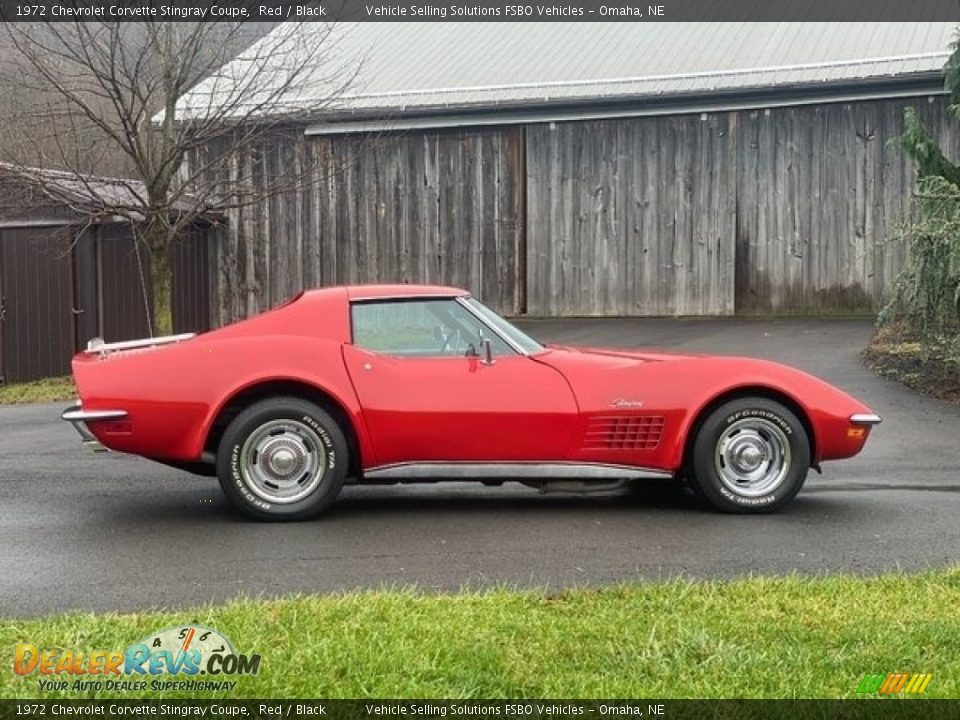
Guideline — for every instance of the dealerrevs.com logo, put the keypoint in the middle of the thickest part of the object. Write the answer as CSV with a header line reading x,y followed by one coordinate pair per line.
x,y
168,660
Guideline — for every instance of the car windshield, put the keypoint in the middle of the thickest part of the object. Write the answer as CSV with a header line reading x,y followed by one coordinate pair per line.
x,y
518,338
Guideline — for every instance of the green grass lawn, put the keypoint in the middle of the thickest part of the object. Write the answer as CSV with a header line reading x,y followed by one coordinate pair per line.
x,y
763,638
46,390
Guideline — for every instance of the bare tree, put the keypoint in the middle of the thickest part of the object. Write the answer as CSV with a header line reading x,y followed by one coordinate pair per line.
x,y
119,90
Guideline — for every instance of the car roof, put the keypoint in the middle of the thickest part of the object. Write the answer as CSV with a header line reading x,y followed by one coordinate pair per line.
x,y
377,292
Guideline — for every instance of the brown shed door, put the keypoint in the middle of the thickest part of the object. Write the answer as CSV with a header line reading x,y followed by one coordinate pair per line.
x,y
36,284
191,283
123,314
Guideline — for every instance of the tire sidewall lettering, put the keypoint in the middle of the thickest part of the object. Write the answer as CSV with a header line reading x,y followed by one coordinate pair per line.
x,y
239,482
774,494
763,414
327,441
324,438
237,475
749,501
705,475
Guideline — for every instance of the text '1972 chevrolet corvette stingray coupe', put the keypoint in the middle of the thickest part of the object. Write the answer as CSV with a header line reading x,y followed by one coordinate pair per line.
x,y
404,383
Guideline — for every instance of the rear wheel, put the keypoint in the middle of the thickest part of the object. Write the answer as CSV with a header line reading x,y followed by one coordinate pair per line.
x,y
282,459
750,455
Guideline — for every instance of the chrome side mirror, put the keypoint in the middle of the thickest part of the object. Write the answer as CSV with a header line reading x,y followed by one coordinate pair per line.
x,y
487,345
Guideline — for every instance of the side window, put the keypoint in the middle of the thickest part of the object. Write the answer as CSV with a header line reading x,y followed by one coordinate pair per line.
x,y
421,328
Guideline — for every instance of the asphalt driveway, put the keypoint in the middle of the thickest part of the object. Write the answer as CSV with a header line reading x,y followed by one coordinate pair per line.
x,y
79,531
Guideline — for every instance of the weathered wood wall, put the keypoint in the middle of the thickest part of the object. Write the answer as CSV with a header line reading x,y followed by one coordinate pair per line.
x,y
821,192
439,207
631,217
786,210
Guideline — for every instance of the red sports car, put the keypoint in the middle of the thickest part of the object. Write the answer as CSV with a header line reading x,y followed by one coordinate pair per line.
x,y
399,383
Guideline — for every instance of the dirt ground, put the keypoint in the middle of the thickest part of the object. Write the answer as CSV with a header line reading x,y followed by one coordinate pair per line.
x,y
931,369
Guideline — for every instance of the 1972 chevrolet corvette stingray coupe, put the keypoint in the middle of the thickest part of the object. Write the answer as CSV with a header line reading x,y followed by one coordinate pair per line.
x,y
402,383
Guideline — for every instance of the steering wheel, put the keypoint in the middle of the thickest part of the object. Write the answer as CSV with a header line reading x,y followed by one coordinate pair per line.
x,y
448,338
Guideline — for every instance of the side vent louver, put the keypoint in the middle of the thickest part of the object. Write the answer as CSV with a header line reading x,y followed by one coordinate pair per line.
x,y
624,432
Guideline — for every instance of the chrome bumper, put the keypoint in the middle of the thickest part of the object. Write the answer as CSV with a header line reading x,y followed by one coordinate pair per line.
x,y
78,417
865,419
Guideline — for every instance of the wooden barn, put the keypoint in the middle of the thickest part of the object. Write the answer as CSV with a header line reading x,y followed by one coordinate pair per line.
x,y
68,273
582,169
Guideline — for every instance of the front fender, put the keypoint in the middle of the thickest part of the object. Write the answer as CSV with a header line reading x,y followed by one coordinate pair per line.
x,y
826,410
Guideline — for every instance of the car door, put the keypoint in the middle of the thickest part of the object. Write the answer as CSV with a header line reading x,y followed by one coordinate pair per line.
x,y
428,395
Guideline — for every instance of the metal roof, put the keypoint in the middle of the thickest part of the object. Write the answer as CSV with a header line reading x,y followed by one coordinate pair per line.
x,y
439,68
28,192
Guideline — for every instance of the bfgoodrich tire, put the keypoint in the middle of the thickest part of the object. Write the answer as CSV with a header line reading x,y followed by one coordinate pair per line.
x,y
282,459
750,455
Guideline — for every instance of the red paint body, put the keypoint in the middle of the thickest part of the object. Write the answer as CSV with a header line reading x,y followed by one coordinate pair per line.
x,y
563,404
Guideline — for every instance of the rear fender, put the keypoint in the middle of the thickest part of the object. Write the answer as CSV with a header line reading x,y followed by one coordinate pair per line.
x,y
173,394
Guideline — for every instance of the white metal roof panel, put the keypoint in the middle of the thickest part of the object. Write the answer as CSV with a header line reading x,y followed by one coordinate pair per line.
x,y
434,67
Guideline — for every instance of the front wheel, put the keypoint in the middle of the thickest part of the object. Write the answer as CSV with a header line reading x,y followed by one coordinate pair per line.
x,y
282,459
750,455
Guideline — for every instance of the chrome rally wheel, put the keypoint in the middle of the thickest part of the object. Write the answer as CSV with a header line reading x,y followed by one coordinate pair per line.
x,y
282,459
753,457
749,455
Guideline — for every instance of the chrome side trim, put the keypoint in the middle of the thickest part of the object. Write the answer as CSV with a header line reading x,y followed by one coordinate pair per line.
x,y
512,471
97,346
406,296
462,302
865,419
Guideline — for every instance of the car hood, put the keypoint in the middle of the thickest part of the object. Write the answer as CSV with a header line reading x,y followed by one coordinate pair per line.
x,y
637,355
601,377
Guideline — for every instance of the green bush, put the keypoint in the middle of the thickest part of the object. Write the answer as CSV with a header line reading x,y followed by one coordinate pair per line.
x,y
926,296
927,293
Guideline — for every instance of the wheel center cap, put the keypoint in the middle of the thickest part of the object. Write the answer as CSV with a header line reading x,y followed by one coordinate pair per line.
x,y
283,458
282,461
749,457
